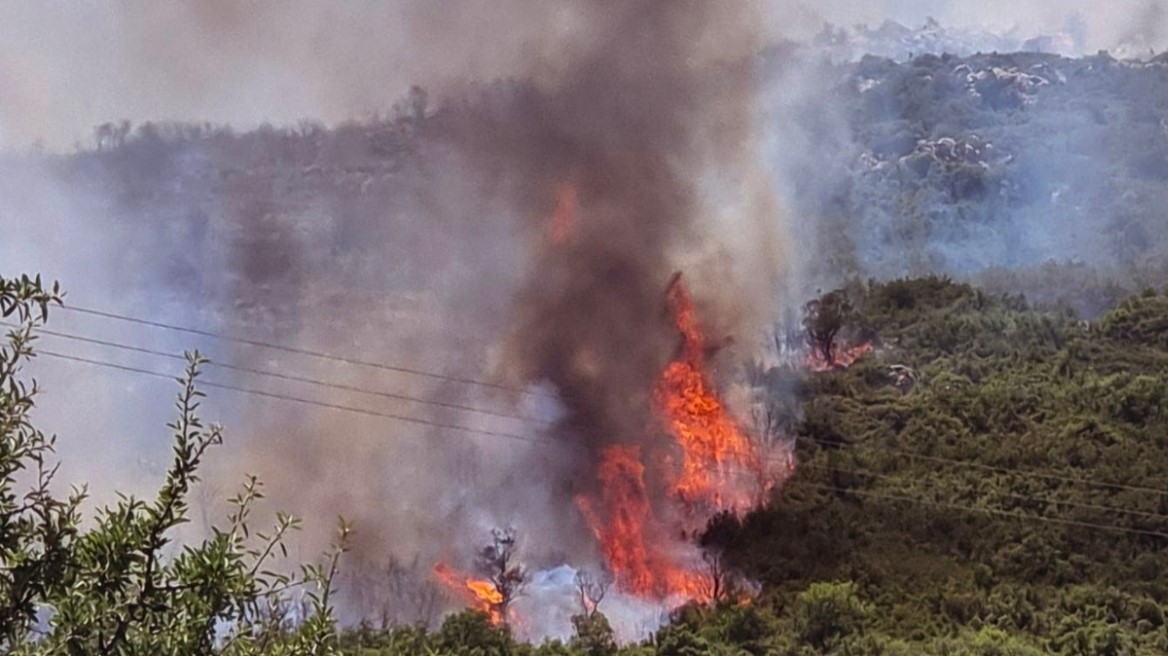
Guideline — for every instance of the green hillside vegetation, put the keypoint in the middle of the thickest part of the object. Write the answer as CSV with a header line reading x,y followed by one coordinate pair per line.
x,y
1018,489
1013,500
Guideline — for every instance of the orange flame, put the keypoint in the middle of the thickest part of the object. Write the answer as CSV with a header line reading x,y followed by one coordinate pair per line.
x,y
622,536
476,593
719,469
626,534
715,452
844,357
563,224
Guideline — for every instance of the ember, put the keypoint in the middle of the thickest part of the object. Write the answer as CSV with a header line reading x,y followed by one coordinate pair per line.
x,y
842,358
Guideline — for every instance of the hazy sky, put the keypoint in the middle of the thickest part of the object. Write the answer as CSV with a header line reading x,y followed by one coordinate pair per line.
x,y
68,65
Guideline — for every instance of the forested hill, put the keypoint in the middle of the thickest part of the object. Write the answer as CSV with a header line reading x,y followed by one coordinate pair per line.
x,y
1024,172
1016,482
990,480
990,166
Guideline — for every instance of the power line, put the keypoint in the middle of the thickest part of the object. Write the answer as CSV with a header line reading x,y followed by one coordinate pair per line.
x,y
284,397
471,381
991,511
303,351
1004,470
1012,495
288,377
910,454
762,459
544,442
455,406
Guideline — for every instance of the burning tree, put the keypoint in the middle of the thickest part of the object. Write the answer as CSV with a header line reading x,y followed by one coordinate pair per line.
x,y
499,563
712,465
823,320
722,580
592,588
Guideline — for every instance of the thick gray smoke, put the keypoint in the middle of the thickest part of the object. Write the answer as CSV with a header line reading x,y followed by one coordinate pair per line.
x,y
422,239
564,205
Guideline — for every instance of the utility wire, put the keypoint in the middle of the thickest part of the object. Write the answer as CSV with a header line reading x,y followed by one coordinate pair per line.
x,y
521,418
285,397
1004,470
963,463
287,377
303,351
544,442
455,406
1011,495
990,511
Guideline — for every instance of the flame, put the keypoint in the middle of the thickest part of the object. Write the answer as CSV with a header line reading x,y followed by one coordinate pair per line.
x,y
479,594
622,534
716,455
626,534
844,357
719,469
563,223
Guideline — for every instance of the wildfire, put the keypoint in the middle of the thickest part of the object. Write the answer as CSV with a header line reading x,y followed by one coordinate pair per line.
x,y
719,469
563,220
715,453
843,357
476,593
622,536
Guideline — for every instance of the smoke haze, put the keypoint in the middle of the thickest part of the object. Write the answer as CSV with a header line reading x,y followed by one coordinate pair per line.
x,y
515,223
68,66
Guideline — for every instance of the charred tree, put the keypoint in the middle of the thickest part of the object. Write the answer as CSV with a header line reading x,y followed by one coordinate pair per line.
x,y
823,319
499,562
592,587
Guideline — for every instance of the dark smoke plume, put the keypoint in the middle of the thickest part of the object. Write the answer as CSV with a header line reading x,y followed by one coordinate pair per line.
x,y
431,241
606,165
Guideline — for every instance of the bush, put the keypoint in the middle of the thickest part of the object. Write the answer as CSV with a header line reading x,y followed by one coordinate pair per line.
x,y
471,633
594,635
827,612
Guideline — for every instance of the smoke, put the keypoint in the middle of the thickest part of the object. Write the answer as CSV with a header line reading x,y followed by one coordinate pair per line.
x,y
419,239
642,114
520,232
563,204
67,67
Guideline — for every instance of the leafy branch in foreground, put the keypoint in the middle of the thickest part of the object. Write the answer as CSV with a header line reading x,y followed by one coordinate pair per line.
x,y
36,529
126,586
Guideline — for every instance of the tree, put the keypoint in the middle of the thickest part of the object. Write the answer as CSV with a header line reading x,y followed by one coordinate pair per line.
x,y
823,319
593,635
681,641
828,612
498,562
592,587
37,530
471,632
116,588
721,580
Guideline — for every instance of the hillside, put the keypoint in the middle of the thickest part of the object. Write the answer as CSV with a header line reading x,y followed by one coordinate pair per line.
x,y
989,479
1026,172
1030,172
1011,499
